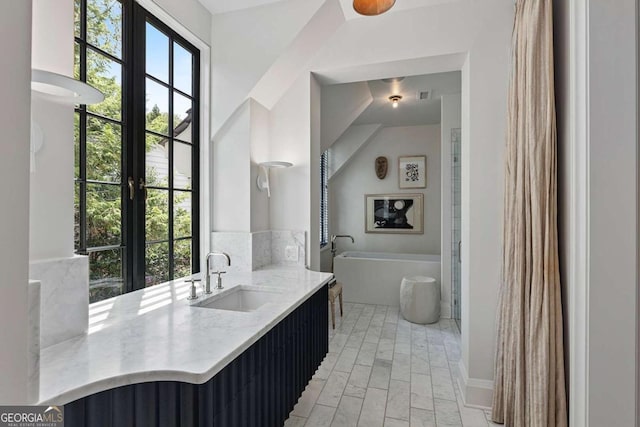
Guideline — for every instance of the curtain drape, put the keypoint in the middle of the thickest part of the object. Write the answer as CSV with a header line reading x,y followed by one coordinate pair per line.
x,y
529,387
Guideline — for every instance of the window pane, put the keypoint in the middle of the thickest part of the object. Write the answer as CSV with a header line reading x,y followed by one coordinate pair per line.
x,y
181,117
104,215
157,161
157,55
157,107
104,151
105,274
76,145
181,165
157,215
182,257
157,263
76,216
182,68
76,61
106,76
181,214
104,25
77,17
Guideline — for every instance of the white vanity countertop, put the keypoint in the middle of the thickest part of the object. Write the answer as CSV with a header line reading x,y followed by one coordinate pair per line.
x,y
156,335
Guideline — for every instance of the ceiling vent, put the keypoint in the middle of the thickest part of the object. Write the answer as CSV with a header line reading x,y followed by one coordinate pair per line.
x,y
423,95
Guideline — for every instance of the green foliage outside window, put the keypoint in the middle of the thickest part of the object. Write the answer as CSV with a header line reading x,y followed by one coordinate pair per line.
x,y
103,163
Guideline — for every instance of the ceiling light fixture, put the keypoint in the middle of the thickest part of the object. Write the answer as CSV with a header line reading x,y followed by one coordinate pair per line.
x,y
372,7
395,99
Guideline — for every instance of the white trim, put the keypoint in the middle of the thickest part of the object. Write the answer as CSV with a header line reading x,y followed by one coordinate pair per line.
x,y
637,421
205,122
578,245
475,393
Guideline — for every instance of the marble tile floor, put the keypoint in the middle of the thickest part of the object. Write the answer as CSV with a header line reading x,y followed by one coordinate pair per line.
x,y
382,371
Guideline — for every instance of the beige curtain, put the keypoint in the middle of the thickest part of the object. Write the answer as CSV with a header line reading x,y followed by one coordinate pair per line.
x,y
529,386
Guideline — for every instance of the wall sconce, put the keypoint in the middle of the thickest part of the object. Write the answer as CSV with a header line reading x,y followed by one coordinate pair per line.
x,y
63,89
395,99
263,174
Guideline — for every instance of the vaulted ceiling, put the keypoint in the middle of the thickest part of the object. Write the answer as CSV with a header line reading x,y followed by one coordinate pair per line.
x,y
223,6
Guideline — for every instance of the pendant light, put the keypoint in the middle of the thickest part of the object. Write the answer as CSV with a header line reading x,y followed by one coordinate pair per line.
x,y
372,7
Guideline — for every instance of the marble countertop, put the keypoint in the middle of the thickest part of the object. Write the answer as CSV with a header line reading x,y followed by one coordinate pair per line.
x,y
155,334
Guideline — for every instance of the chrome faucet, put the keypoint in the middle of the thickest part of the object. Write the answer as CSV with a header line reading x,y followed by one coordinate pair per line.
x,y
333,241
207,287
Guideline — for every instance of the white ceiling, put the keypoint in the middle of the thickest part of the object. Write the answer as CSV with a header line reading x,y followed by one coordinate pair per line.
x,y
349,13
222,6
411,111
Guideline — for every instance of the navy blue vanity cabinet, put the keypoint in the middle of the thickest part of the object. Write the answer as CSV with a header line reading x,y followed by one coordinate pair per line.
x,y
259,388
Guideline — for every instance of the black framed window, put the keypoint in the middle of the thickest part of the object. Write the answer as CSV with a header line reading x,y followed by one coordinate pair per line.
x,y
324,196
137,152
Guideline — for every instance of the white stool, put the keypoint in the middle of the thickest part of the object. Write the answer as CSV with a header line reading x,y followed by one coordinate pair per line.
x,y
420,299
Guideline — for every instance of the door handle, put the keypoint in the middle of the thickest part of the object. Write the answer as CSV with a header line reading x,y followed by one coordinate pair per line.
x,y
143,187
132,188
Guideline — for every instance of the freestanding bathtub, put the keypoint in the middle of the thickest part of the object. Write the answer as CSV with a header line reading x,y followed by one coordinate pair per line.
x,y
375,277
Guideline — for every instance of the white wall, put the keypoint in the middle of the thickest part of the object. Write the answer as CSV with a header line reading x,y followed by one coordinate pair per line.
x,y
232,173
348,187
15,84
190,13
51,215
261,34
341,106
259,123
290,134
612,199
353,139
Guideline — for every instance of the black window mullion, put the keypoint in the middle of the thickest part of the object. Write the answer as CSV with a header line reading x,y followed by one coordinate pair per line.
x,y
82,131
171,168
136,145
195,162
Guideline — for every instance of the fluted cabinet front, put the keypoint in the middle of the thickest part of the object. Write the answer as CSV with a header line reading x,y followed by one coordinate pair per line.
x,y
258,388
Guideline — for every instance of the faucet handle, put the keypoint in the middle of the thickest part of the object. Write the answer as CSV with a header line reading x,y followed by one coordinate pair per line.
x,y
193,293
219,284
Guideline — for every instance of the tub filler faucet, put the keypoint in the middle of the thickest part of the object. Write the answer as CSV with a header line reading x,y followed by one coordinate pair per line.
x,y
207,288
333,241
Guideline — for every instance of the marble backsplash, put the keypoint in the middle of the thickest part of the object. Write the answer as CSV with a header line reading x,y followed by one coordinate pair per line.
x,y
251,251
64,298
261,249
281,240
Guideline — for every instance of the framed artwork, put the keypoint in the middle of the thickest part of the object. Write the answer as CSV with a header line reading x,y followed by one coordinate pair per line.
x,y
394,213
412,172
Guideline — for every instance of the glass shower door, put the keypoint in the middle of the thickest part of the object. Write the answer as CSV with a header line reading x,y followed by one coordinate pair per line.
x,y
456,236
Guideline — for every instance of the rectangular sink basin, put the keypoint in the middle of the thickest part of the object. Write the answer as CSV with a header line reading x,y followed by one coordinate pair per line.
x,y
241,298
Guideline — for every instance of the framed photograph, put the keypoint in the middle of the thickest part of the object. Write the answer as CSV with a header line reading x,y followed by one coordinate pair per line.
x,y
412,171
394,213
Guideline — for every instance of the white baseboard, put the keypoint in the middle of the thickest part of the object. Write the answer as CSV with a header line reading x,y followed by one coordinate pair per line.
x,y
476,393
